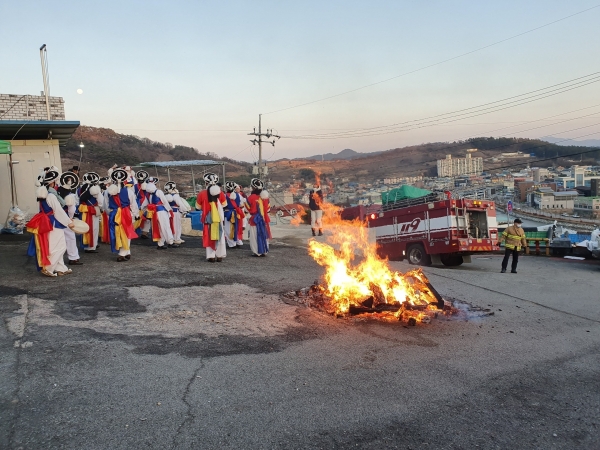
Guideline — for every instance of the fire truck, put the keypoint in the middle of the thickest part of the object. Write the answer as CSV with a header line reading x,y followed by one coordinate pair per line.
x,y
435,230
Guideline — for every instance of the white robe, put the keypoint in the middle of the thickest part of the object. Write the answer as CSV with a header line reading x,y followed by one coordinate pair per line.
x,y
70,238
221,247
56,238
184,207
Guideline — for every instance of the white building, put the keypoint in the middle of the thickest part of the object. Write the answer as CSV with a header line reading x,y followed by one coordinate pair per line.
x,y
452,167
546,198
35,145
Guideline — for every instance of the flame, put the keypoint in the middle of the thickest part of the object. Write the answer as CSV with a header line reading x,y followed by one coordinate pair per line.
x,y
355,274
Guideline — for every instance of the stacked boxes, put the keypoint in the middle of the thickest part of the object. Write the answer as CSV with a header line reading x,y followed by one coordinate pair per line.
x,y
30,107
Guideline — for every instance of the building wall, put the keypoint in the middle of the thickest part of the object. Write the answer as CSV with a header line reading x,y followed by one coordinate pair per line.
x,y
30,107
549,202
588,204
452,167
521,190
32,156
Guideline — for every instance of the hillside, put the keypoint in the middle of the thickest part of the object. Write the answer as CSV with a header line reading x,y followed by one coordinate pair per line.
x,y
421,159
104,147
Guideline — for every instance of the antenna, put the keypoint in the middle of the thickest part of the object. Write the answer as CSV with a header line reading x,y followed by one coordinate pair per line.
x,y
44,58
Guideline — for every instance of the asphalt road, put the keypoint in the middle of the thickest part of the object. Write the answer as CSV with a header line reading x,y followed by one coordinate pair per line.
x,y
169,351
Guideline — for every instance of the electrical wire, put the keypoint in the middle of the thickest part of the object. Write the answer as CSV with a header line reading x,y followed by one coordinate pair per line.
x,y
391,158
459,143
592,150
454,116
434,64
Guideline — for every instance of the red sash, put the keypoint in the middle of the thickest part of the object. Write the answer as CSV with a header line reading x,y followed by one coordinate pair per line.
x,y
155,226
126,220
105,231
40,226
171,213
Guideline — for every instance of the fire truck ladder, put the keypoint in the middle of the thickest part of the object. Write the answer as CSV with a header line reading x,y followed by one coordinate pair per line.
x,y
462,221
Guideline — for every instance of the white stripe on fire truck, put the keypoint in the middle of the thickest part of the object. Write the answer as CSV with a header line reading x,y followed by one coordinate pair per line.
x,y
435,225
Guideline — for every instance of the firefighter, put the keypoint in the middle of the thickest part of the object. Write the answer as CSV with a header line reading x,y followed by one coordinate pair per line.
x,y
514,237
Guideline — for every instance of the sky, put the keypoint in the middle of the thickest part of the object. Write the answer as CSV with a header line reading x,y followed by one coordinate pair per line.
x,y
199,73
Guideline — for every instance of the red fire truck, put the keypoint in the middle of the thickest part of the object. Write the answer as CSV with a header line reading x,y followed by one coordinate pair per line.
x,y
433,230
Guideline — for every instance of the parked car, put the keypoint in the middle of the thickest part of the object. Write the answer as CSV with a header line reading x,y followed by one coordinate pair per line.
x,y
564,215
576,216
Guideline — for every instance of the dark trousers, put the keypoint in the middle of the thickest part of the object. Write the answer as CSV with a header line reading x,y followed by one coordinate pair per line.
x,y
515,258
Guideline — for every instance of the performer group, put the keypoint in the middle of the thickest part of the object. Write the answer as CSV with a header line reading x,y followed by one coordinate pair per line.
x,y
77,215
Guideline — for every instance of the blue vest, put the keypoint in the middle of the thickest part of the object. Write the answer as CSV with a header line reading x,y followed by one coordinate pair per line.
x,y
47,209
156,201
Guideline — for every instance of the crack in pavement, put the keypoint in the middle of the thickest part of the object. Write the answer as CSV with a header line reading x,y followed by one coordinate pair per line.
x,y
17,391
189,417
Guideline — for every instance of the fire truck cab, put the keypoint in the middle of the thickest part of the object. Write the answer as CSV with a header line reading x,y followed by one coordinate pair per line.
x,y
433,230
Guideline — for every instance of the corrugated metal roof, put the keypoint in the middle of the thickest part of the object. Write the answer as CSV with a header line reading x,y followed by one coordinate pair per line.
x,y
193,162
38,130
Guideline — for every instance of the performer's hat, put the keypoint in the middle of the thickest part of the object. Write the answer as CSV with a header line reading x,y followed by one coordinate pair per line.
x,y
47,177
169,186
91,177
230,186
69,180
152,180
211,178
142,176
255,183
119,175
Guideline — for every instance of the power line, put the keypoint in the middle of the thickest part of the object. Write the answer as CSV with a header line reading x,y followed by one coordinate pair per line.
x,y
391,158
435,64
458,144
422,123
595,149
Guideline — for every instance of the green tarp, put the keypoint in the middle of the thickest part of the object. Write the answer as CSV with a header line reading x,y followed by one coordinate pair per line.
x,y
5,148
403,193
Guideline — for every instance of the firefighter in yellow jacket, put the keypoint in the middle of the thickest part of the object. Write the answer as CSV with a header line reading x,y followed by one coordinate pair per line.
x,y
514,237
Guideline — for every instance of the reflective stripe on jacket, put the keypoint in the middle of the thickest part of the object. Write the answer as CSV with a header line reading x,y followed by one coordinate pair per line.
x,y
514,237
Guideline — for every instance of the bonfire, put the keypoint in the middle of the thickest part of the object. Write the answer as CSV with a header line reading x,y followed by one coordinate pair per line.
x,y
358,282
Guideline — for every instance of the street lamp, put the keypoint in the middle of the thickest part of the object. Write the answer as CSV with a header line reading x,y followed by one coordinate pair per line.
x,y
80,154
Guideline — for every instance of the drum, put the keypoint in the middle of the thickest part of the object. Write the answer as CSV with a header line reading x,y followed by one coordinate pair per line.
x,y
80,226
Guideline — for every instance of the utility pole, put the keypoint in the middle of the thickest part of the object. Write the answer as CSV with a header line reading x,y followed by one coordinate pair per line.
x,y
261,170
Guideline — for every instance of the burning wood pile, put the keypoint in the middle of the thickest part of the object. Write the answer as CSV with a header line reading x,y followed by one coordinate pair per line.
x,y
420,302
357,282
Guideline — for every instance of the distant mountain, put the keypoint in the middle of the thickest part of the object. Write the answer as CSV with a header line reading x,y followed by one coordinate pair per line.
x,y
344,154
422,159
583,143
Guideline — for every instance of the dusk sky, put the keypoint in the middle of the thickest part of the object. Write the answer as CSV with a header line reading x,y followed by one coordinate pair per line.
x,y
198,73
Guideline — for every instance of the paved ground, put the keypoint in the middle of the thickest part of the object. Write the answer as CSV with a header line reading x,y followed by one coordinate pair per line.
x,y
168,351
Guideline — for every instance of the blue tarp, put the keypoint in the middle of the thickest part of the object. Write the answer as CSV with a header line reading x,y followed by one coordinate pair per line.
x,y
196,217
576,238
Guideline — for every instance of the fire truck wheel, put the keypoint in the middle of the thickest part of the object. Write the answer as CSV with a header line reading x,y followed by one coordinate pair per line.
x,y
451,260
417,256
